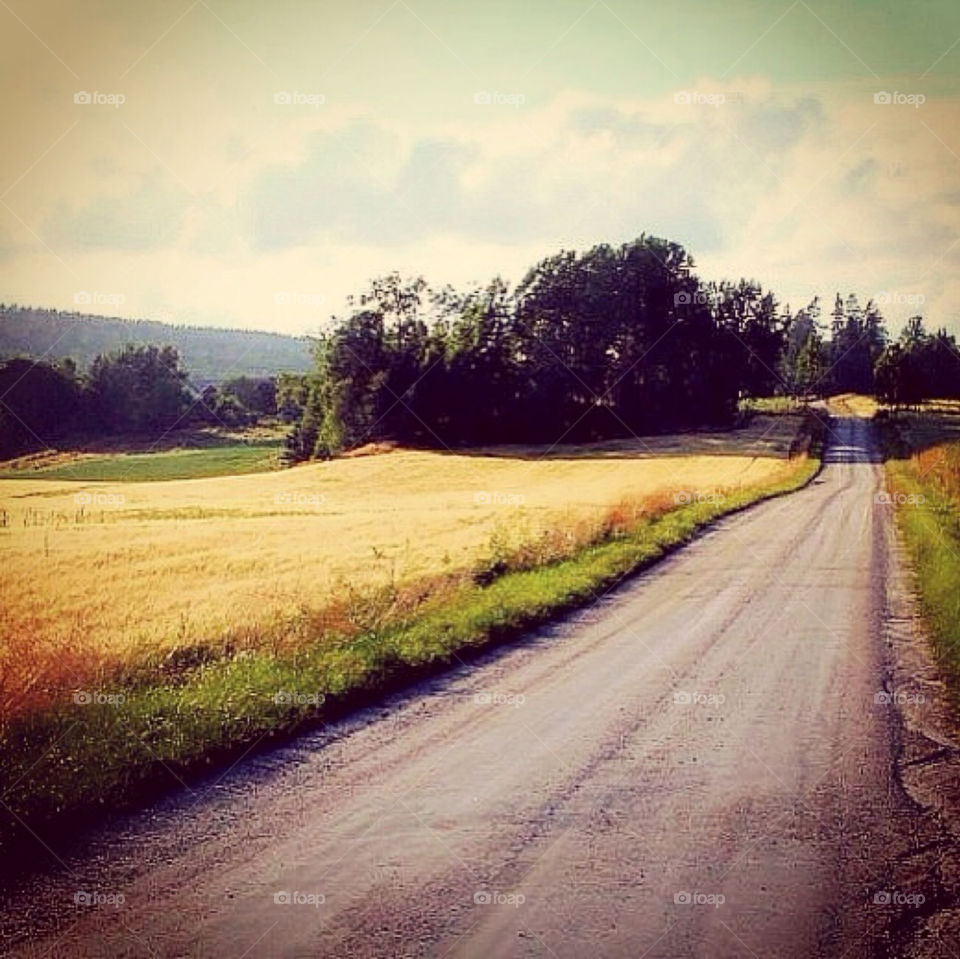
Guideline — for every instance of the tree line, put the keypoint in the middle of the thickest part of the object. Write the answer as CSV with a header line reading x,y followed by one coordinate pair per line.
x,y
611,342
134,390
614,341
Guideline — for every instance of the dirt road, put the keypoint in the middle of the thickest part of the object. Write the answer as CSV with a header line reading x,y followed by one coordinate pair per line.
x,y
696,766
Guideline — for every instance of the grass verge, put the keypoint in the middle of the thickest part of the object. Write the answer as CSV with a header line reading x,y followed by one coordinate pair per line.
x,y
922,464
125,744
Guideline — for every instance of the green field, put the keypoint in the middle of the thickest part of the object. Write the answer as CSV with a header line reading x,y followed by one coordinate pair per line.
x,y
254,456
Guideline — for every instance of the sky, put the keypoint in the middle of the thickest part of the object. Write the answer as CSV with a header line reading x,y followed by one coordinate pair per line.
x,y
252,164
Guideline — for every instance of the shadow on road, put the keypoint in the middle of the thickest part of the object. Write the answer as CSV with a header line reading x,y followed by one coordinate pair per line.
x,y
851,441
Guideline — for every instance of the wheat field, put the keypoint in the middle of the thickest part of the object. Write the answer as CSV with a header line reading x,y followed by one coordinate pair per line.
x,y
92,573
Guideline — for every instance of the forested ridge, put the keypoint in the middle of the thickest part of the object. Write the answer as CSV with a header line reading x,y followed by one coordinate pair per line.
x,y
208,354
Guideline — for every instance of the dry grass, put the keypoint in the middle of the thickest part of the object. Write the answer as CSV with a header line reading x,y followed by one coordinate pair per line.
x,y
183,564
939,465
852,404
857,404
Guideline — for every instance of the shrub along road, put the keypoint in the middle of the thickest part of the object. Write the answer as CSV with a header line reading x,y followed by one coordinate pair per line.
x,y
700,764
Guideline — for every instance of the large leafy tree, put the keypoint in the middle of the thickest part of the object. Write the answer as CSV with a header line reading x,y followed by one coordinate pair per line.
x,y
609,342
755,331
39,402
919,366
139,389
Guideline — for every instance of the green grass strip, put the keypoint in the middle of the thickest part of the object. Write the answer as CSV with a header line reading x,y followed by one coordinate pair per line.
x,y
930,530
237,459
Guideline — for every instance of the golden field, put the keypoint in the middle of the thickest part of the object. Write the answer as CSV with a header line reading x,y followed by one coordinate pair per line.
x,y
852,404
94,573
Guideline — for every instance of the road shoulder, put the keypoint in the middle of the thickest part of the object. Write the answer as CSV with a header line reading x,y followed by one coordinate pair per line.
x,y
927,766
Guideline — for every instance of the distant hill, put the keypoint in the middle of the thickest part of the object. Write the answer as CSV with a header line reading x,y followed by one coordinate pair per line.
x,y
206,353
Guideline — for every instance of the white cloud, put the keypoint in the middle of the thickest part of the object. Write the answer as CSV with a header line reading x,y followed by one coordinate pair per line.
x,y
805,189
